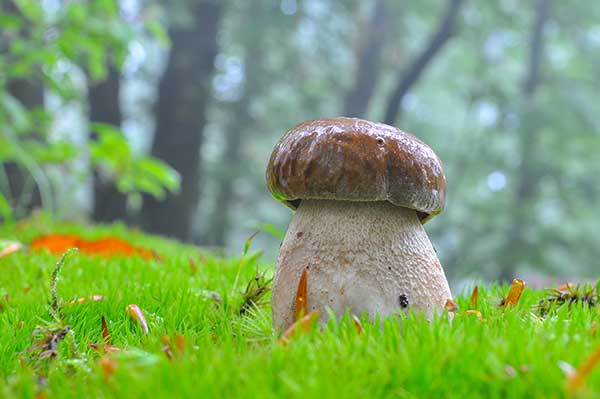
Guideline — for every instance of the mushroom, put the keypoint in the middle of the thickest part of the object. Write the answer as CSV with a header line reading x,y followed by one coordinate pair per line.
x,y
361,192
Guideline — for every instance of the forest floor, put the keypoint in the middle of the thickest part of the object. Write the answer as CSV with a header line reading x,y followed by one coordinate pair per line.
x,y
199,343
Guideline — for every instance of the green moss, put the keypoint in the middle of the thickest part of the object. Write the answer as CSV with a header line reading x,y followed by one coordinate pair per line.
x,y
512,353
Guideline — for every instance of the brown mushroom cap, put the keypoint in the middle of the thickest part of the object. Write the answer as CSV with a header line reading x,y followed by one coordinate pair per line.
x,y
356,160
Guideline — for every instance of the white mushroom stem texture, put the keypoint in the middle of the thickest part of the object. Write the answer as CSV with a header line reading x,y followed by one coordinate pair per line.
x,y
371,257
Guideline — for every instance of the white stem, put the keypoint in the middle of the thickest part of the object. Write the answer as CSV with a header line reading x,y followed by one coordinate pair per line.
x,y
361,257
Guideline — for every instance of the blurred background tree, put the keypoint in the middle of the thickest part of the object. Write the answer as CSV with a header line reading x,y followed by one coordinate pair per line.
x,y
163,114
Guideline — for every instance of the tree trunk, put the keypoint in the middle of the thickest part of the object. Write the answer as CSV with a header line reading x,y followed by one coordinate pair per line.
x,y
103,97
415,69
526,186
24,193
183,97
357,99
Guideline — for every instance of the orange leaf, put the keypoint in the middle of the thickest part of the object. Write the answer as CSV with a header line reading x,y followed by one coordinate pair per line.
x,y
451,306
516,289
357,324
137,316
11,247
104,348
106,247
475,297
93,298
180,343
105,333
565,287
166,341
303,325
55,243
301,306
193,267
109,366
475,313
577,380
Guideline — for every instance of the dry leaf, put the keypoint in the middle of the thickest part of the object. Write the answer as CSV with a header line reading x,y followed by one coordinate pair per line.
x,y
166,348
516,289
451,306
301,306
565,287
475,313
92,298
105,333
510,371
106,247
303,325
55,243
475,297
577,379
180,343
106,347
193,267
357,324
137,316
109,366
9,247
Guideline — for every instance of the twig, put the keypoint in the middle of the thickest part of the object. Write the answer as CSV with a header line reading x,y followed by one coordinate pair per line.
x,y
55,273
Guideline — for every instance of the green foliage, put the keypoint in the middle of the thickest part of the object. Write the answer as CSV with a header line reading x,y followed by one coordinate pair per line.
x,y
133,174
45,46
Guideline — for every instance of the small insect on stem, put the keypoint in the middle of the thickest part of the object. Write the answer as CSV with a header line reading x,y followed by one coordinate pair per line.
x,y
403,300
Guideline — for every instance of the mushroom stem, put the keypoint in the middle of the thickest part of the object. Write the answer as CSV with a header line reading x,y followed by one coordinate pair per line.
x,y
371,257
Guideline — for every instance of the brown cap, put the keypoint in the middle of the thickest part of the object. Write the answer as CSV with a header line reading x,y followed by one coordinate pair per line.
x,y
356,160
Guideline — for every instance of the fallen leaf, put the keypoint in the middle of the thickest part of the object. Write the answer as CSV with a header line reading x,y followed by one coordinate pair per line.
x,y
300,303
9,247
578,378
55,243
105,247
475,313
303,325
565,287
514,294
108,365
180,343
137,316
357,324
193,267
451,306
475,296
166,348
510,371
106,347
105,333
92,298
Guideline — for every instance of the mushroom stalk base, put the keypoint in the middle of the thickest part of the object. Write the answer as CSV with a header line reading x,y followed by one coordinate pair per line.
x,y
370,257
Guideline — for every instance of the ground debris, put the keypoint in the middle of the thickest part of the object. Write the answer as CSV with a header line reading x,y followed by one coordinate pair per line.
x,y
568,295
